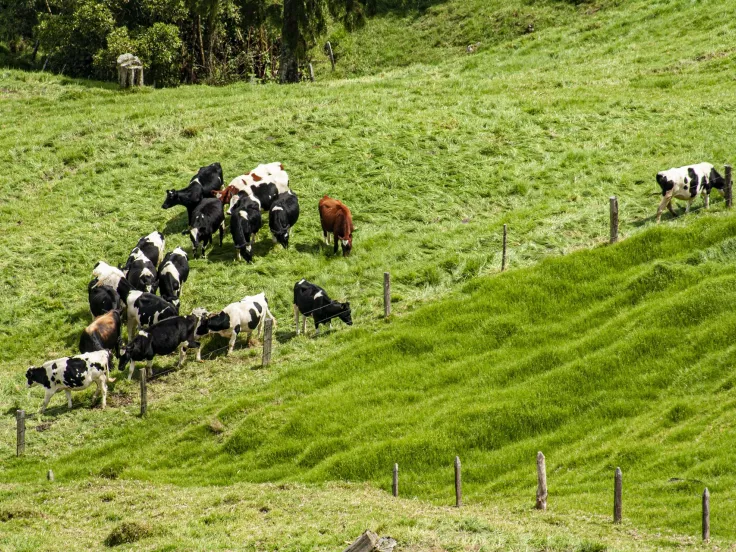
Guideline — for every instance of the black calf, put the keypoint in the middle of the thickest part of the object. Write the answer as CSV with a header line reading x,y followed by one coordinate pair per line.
x,y
312,300
244,225
283,215
207,218
189,197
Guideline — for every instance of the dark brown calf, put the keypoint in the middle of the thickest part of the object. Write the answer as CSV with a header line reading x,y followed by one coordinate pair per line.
x,y
336,219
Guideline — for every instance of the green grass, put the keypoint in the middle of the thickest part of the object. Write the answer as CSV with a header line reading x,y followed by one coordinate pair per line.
x,y
618,356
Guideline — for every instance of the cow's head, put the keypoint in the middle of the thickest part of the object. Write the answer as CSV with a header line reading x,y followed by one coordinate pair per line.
x,y
149,281
282,236
172,198
347,244
345,314
717,181
201,328
37,375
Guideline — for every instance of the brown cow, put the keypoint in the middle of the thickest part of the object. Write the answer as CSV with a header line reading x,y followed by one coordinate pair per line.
x,y
227,194
103,333
336,218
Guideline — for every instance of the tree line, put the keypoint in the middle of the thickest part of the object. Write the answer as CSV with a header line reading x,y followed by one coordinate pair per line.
x,y
179,41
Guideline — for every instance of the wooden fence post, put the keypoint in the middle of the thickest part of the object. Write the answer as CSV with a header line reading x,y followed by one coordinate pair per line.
x,y
458,484
729,187
332,55
386,294
395,484
267,337
613,206
541,482
706,515
617,495
144,390
20,419
311,73
296,318
50,476
503,255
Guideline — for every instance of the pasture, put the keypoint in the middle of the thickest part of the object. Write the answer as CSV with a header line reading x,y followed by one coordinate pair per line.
x,y
616,356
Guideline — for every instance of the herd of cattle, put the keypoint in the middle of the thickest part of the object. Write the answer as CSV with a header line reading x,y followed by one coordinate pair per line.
x,y
154,324
130,291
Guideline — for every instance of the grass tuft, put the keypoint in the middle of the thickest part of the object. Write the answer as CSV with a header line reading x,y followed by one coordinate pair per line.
x,y
128,532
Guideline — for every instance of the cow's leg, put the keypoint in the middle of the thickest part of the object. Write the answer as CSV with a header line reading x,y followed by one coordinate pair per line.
x,y
237,255
199,354
222,232
103,382
296,318
68,398
97,392
46,399
687,207
666,202
231,345
132,323
324,236
706,200
182,354
149,369
304,325
337,241
131,369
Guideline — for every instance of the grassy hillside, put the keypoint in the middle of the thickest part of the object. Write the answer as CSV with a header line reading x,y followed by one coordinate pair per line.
x,y
626,349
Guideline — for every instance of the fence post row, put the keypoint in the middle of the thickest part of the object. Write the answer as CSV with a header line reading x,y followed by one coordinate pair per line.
x,y
332,55
458,484
50,476
613,207
395,484
144,391
267,337
541,482
311,73
503,255
386,294
729,187
617,495
706,515
20,420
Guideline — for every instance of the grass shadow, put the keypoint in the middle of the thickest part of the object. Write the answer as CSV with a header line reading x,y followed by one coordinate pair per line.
x,y
178,224
311,249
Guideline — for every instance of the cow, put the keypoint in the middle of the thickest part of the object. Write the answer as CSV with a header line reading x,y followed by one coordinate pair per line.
x,y
336,219
102,298
312,300
103,333
107,275
244,225
72,373
162,338
172,274
225,196
244,316
207,218
145,309
189,197
264,183
264,192
209,177
140,272
686,183
152,246
283,215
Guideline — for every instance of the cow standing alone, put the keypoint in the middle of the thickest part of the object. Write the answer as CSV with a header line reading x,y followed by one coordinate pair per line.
x,y
686,183
312,300
283,216
337,220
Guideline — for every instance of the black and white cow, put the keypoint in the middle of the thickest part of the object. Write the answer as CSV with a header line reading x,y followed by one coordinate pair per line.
x,y
189,197
107,275
263,183
102,298
103,333
207,219
152,246
686,183
161,339
72,374
244,316
263,192
312,300
141,272
244,225
172,274
283,216
146,309
209,177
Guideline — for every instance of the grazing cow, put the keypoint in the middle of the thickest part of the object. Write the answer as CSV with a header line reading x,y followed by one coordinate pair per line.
x,y
336,219
207,218
264,192
244,223
146,309
172,274
283,215
161,339
72,373
141,272
152,246
102,298
189,197
225,196
686,183
103,333
244,316
312,300
209,177
107,275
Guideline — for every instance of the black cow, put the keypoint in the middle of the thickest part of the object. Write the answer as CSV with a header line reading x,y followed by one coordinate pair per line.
x,y
189,197
207,218
244,225
103,333
209,177
283,215
172,274
102,298
161,339
146,309
141,272
312,300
